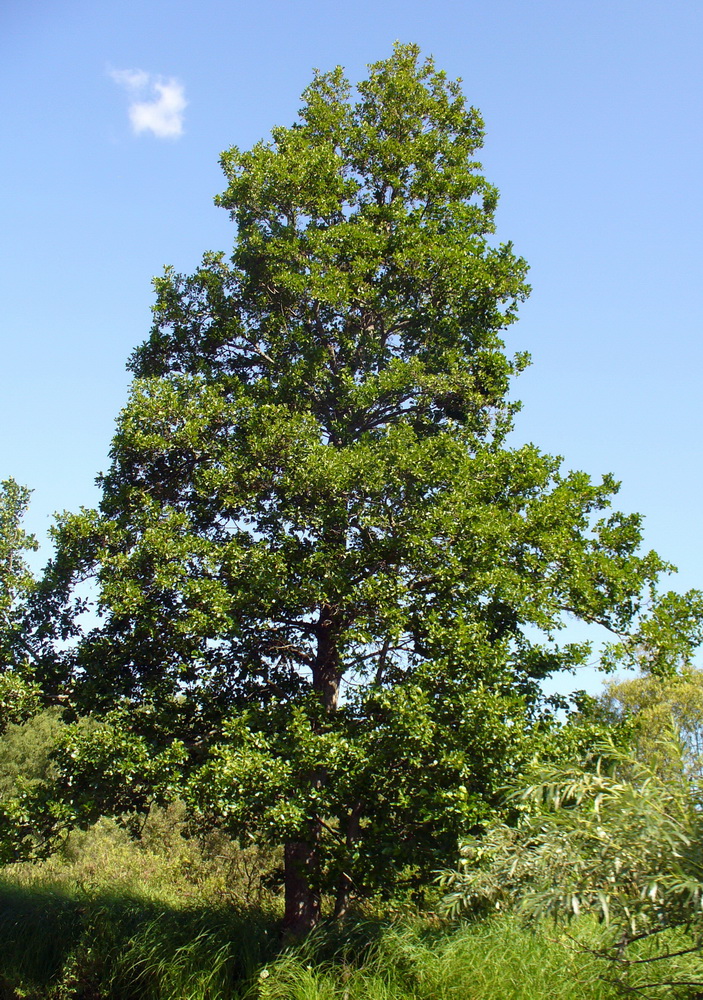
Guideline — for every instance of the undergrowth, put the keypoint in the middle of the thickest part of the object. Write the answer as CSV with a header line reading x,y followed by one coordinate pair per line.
x,y
497,959
167,918
63,945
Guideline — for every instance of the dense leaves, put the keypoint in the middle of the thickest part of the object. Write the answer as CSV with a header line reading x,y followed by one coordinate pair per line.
x,y
652,707
321,575
19,694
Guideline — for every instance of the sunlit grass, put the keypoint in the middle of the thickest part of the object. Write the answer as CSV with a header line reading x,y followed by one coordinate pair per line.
x,y
111,920
491,960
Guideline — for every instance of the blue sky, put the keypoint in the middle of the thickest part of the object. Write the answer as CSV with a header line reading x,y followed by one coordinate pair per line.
x,y
593,114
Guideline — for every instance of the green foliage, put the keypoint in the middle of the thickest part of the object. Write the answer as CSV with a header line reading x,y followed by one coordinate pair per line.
x,y
614,838
409,960
26,748
69,946
165,862
425,772
663,643
108,769
32,815
115,919
328,591
19,694
15,577
60,945
651,705
164,916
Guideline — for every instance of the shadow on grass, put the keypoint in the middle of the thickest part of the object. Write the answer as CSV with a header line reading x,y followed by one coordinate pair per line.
x,y
58,945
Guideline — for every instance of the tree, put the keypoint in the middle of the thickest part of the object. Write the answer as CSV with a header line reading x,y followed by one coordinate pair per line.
x,y
18,693
653,706
326,585
16,581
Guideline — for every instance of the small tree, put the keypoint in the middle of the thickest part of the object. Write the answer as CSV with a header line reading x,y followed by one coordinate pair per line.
x,y
324,580
18,694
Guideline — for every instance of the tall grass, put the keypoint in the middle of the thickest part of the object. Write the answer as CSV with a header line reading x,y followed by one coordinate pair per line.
x,y
169,920
58,946
498,959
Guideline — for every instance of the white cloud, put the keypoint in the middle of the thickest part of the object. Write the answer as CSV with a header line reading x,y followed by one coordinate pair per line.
x,y
132,79
162,112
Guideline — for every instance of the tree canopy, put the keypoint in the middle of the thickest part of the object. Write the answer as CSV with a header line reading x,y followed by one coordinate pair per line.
x,y
328,590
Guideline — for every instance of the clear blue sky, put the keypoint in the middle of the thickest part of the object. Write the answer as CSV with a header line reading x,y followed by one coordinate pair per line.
x,y
594,136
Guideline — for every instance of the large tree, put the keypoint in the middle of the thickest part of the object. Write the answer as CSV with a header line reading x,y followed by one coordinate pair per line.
x,y
327,588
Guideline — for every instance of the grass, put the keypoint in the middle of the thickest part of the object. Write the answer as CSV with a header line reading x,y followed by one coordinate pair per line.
x,y
63,946
59,945
168,919
165,918
498,959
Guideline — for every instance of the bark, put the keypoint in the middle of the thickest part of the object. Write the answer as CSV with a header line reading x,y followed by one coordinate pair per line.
x,y
343,897
302,892
302,909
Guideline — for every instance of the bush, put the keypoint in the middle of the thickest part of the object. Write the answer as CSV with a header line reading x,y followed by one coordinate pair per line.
x,y
162,864
611,838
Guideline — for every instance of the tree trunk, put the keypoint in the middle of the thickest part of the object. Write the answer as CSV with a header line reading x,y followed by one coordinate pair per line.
x,y
343,897
302,892
302,909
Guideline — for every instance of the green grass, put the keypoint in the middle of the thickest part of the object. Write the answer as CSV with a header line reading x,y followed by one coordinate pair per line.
x,y
63,946
498,959
168,919
162,918
58,945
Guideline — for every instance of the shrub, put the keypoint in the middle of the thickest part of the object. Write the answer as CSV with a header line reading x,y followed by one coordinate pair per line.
x,y
611,838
